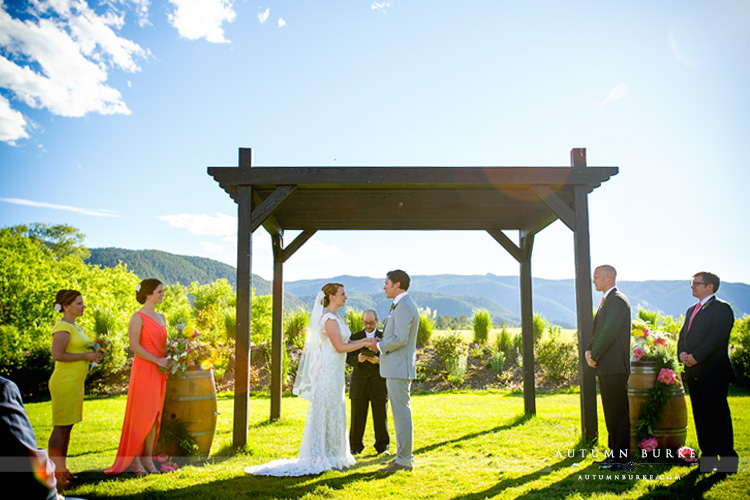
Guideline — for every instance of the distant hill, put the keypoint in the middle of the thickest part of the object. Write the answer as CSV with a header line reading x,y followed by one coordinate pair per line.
x,y
182,269
448,294
553,299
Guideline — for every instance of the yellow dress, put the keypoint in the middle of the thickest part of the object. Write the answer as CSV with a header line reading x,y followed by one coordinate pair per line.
x,y
66,382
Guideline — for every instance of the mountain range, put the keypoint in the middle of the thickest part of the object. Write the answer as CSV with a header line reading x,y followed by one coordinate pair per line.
x,y
445,294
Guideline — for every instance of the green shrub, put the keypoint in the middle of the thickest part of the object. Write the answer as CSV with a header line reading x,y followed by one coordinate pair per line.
x,y
740,351
504,342
353,319
452,350
230,323
297,321
482,323
517,344
557,356
426,326
539,325
497,362
12,347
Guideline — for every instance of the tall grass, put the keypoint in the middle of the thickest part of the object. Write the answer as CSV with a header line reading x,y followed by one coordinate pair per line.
x,y
482,323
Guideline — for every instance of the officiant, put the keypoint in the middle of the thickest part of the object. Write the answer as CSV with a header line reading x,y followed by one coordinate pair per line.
x,y
367,389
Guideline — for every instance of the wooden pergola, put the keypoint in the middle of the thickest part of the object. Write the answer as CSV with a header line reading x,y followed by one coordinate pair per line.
x,y
492,199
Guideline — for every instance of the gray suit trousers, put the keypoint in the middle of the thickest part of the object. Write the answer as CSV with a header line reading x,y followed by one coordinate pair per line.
x,y
400,397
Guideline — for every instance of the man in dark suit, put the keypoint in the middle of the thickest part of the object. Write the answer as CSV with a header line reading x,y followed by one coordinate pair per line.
x,y
703,348
367,388
609,353
33,473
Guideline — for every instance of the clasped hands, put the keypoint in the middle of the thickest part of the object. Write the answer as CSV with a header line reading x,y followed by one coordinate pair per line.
x,y
687,359
371,344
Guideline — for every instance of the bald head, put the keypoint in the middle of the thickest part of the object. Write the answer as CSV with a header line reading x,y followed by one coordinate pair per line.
x,y
605,277
369,320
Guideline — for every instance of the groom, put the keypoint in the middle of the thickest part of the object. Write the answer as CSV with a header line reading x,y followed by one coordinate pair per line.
x,y
398,364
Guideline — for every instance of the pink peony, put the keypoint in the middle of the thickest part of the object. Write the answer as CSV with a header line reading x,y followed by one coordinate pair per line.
x,y
649,444
645,333
166,468
666,376
660,341
638,353
162,457
687,454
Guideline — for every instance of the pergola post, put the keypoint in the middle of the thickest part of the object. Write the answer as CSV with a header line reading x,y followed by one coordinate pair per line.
x,y
244,291
277,340
589,426
527,324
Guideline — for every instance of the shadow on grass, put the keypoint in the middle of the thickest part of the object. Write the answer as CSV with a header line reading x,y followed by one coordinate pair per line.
x,y
521,419
256,487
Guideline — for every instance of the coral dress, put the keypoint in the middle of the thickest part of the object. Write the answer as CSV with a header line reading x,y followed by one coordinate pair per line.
x,y
145,396
66,382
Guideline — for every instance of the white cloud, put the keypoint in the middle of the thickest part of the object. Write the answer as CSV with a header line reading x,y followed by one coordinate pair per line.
x,y
13,125
42,204
617,93
282,23
263,16
59,56
380,5
196,19
317,251
204,225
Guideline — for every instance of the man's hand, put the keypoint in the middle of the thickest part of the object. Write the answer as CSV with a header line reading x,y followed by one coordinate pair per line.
x,y
687,359
589,360
361,358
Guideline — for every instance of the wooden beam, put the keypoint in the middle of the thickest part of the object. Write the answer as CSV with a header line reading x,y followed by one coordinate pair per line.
x,y
507,243
270,204
242,337
410,177
270,224
297,243
556,204
527,326
277,338
584,310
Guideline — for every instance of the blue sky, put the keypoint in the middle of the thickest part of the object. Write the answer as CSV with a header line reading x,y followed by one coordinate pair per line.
x,y
110,113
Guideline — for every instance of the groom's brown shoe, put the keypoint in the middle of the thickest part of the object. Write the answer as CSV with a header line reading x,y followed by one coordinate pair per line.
x,y
388,462
394,467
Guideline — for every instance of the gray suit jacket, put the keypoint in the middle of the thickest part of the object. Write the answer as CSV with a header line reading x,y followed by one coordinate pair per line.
x,y
399,345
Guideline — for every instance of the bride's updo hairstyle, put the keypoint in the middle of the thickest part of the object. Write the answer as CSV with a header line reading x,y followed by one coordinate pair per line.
x,y
145,289
330,289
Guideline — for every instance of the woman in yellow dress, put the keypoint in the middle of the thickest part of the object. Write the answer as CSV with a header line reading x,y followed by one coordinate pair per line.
x,y
70,352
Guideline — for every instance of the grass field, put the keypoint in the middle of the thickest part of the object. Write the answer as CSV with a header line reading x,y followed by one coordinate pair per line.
x,y
467,446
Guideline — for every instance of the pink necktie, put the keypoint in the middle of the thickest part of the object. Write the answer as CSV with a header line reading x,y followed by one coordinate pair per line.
x,y
692,317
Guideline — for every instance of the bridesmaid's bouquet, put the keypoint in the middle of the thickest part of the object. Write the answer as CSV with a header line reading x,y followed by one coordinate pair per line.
x,y
183,351
102,344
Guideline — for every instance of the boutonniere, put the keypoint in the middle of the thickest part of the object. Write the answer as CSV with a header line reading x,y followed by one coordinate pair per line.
x,y
393,306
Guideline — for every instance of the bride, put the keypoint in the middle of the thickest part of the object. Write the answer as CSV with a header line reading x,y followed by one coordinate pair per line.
x,y
320,380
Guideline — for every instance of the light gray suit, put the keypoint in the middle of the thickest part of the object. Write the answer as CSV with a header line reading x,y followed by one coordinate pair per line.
x,y
398,365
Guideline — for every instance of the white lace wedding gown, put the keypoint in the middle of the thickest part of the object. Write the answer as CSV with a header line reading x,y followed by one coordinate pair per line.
x,y
325,440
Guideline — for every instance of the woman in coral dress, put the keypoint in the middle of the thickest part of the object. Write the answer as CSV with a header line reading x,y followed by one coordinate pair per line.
x,y
147,334
70,352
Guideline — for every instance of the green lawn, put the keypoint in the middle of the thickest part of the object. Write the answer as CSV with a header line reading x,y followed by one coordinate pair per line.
x,y
467,446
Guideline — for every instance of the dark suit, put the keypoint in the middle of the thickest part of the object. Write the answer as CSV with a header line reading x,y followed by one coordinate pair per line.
x,y
708,380
18,451
367,388
610,348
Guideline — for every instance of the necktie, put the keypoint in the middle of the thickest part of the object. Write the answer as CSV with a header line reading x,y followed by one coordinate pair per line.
x,y
692,317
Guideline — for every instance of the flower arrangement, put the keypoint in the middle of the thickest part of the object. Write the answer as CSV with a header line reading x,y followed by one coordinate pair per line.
x,y
102,344
651,345
687,454
184,352
659,347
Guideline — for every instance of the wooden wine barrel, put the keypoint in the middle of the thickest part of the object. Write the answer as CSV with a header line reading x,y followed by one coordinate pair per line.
x,y
671,430
191,399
